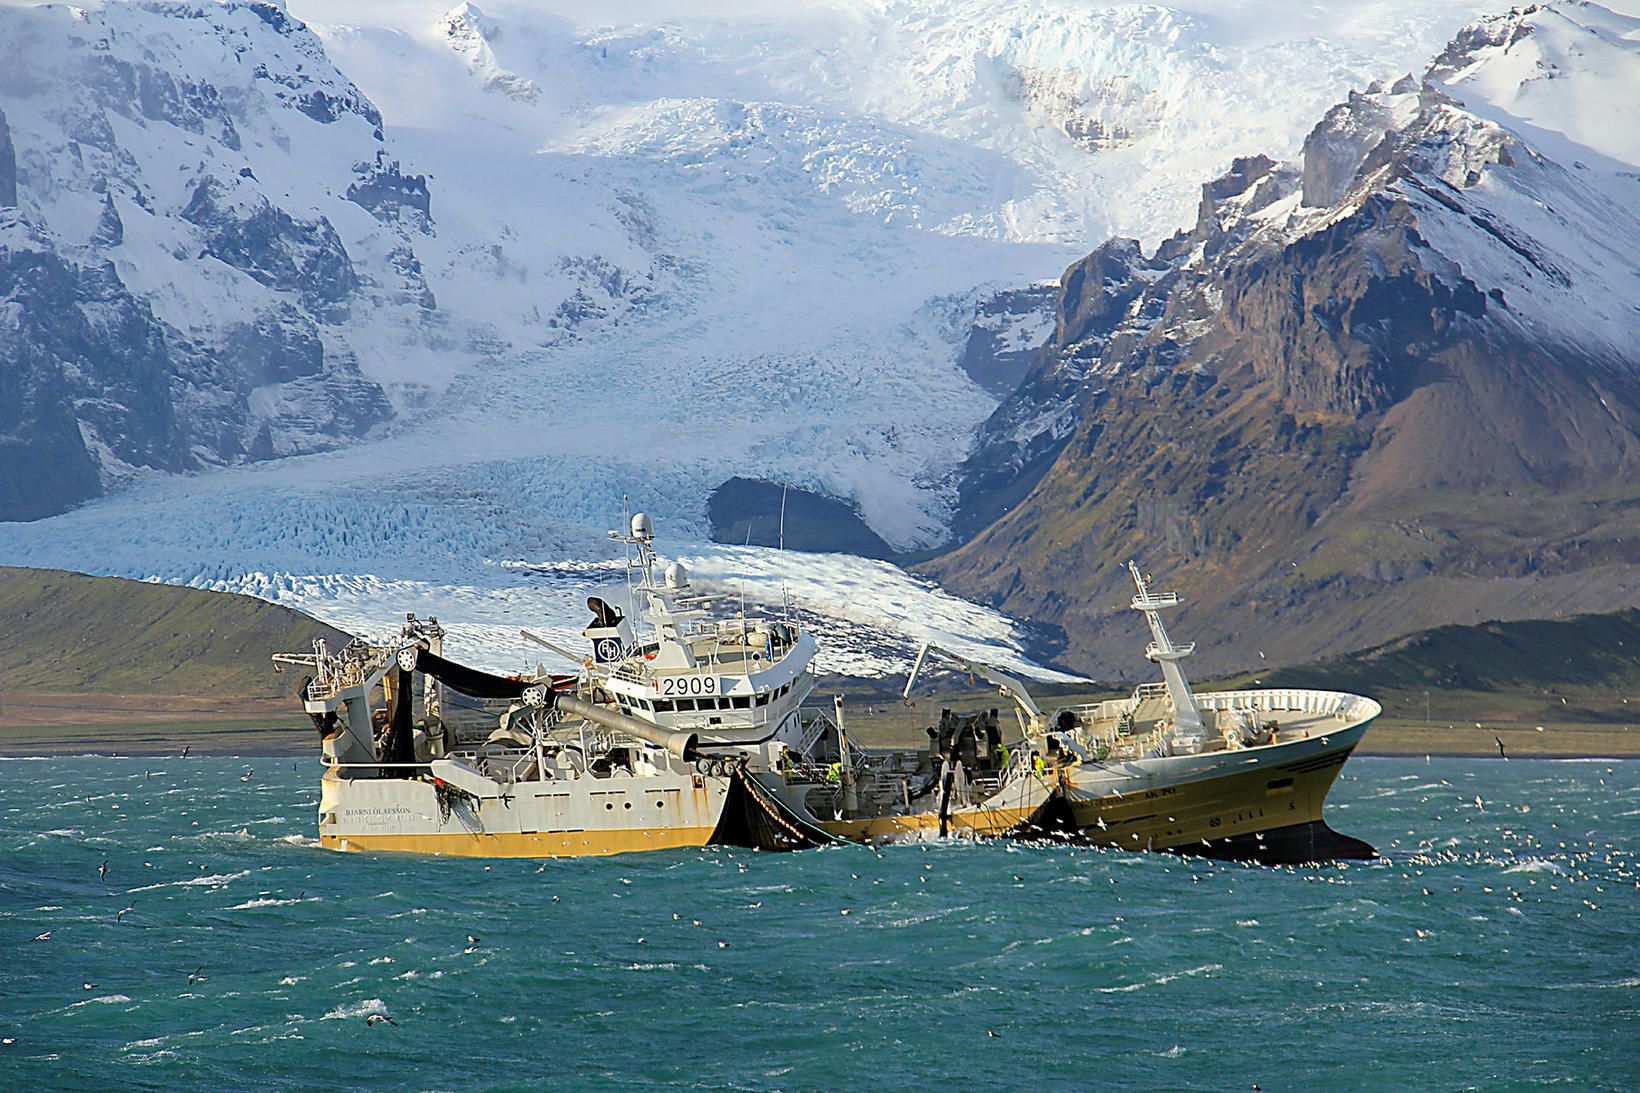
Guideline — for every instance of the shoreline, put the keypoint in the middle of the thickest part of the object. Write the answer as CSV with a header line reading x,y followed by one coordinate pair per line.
x,y
265,728
275,744
1542,757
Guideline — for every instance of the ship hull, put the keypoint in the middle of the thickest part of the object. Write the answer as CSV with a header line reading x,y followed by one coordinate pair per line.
x,y
1258,804
583,817
1263,804
963,823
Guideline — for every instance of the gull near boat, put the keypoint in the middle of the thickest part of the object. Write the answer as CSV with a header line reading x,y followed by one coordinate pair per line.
x,y
688,727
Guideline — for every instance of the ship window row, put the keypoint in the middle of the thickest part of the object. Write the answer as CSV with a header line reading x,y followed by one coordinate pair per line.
x,y
687,705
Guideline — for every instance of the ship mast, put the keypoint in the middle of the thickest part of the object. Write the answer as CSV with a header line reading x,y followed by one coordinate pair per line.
x,y
668,604
1187,716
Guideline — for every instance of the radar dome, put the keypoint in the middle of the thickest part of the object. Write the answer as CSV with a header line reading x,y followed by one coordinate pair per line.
x,y
642,526
677,576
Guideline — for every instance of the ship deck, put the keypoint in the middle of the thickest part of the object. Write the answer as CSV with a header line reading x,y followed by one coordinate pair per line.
x,y
1136,726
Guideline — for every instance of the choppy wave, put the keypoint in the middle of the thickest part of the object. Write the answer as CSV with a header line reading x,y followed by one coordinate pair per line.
x,y
222,958
1537,865
358,1009
212,880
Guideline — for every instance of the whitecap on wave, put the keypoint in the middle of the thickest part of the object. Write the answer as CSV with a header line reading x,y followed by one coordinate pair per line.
x,y
210,880
1536,865
358,1009
241,835
1160,980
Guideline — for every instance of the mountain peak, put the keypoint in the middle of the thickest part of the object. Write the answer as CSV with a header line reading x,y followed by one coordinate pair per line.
x,y
1427,326
1561,75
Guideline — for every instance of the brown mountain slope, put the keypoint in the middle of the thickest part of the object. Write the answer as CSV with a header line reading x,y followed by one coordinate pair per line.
x,y
1316,423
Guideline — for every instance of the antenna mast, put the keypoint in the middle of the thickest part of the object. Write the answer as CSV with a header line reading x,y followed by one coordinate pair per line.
x,y
785,596
1187,716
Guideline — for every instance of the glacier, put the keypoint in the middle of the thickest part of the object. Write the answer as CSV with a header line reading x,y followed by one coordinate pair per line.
x,y
667,246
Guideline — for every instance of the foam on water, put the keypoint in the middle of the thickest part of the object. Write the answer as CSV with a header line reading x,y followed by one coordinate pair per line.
x,y
716,968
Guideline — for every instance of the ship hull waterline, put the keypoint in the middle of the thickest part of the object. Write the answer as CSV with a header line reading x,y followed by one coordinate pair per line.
x,y
1260,804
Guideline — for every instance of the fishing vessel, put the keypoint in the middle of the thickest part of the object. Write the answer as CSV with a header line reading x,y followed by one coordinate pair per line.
x,y
691,725
1237,774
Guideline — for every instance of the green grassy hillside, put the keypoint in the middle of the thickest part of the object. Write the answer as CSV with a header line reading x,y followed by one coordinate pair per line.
x,y
68,632
1583,668
1578,652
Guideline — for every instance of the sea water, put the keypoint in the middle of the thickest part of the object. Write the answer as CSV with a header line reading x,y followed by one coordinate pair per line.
x,y
1497,946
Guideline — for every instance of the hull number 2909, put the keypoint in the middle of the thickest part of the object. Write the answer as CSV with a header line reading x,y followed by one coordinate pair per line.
x,y
684,686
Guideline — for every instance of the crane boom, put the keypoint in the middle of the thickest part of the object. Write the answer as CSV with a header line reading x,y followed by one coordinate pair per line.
x,y
1009,686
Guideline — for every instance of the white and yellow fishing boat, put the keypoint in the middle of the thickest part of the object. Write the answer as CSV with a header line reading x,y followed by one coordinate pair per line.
x,y
686,729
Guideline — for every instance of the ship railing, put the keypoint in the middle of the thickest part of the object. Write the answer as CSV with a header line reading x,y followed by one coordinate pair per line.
x,y
811,735
1111,744
374,766
350,668
506,765
824,798
800,771
1141,694
1287,699
335,678
631,673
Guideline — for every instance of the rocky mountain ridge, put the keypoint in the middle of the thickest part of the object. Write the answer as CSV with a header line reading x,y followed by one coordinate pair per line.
x,y
167,308
1390,386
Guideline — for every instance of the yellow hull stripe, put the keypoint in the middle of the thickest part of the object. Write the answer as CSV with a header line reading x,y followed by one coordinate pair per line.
x,y
967,823
535,844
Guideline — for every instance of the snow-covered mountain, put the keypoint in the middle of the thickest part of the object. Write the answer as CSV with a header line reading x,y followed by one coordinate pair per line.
x,y
200,240
580,252
1390,385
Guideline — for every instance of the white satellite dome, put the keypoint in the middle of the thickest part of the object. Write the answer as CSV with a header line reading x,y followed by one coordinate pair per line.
x,y
677,576
642,526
